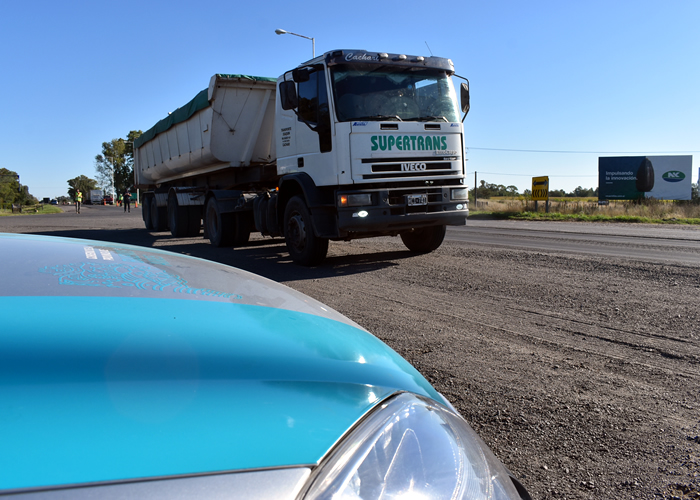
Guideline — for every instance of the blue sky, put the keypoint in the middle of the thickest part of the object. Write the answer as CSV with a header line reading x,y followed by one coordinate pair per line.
x,y
614,77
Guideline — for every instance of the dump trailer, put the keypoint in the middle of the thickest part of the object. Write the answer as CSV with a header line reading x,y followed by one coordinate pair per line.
x,y
351,144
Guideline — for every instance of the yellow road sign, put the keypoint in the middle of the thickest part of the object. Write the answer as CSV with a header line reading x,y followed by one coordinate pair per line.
x,y
540,188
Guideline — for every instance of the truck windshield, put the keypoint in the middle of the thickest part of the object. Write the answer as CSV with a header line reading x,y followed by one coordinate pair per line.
x,y
371,92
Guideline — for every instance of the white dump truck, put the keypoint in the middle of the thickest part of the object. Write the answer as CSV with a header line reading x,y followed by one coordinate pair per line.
x,y
351,144
96,196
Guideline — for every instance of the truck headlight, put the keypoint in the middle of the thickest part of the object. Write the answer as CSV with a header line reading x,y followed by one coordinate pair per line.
x,y
459,194
354,200
411,447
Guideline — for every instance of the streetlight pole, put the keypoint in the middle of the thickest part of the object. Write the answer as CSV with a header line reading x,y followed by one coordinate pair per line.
x,y
313,40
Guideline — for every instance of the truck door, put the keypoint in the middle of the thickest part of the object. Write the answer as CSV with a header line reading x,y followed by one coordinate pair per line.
x,y
313,129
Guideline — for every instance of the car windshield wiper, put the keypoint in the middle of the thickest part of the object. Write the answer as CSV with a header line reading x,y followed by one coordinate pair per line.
x,y
380,118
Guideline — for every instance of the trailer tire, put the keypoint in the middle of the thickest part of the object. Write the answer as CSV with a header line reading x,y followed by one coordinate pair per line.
x,y
424,240
244,224
303,245
183,221
159,220
146,213
194,220
220,227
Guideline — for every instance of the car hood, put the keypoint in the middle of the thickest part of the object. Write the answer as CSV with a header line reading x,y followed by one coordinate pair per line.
x,y
121,362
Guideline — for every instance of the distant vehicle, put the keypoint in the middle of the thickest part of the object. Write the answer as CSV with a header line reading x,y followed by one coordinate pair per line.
x,y
108,199
54,202
46,200
214,383
96,196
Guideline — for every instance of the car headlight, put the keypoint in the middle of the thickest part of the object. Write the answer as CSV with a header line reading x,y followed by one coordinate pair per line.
x,y
412,448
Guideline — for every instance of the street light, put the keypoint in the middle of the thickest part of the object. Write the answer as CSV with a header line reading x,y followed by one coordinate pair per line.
x,y
313,40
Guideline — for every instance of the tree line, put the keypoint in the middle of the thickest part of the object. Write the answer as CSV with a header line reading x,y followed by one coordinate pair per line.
x,y
12,192
487,190
114,168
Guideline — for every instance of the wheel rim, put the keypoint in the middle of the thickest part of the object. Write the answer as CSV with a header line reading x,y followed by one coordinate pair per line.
x,y
297,231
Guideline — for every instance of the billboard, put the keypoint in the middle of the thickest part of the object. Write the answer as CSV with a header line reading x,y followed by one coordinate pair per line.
x,y
637,177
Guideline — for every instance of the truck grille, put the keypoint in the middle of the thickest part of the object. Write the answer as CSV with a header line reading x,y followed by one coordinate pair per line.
x,y
409,167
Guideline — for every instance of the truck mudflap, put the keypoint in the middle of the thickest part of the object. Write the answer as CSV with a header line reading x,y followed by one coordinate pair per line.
x,y
395,211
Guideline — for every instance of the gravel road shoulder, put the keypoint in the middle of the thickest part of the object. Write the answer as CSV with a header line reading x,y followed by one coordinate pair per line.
x,y
581,372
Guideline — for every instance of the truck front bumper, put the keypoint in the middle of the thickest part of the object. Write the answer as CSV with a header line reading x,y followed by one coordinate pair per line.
x,y
395,211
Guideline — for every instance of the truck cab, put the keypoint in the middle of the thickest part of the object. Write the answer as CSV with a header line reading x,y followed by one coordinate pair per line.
x,y
377,141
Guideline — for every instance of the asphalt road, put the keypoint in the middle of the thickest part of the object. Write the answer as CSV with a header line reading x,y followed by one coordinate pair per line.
x,y
673,244
678,244
572,349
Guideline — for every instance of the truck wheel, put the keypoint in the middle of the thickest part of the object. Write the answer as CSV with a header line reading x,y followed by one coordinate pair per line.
x,y
194,220
184,221
146,213
424,240
303,245
159,220
220,227
244,224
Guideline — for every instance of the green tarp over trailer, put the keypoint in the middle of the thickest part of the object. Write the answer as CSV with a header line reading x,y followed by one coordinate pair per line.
x,y
200,101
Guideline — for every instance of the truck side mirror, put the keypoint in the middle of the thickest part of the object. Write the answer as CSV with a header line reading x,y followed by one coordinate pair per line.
x,y
464,97
288,95
300,75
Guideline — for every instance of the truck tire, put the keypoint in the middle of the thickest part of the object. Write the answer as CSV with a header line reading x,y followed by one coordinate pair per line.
x,y
244,226
424,240
146,213
303,245
194,220
220,227
183,221
159,221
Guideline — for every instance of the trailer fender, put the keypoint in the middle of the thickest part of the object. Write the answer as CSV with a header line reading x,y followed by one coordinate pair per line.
x,y
228,200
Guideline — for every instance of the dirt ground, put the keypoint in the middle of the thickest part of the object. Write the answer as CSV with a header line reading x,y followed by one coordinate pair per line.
x,y
582,374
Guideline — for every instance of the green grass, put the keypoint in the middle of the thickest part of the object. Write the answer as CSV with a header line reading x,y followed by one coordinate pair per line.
x,y
33,210
555,216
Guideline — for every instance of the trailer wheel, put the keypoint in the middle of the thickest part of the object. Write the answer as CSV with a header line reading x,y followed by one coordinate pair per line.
x,y
424,240
146,213
244,225
194,220
159,221
184,221
220,227
303,245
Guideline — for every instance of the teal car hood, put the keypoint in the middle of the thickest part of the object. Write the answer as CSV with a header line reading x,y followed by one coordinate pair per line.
x,y
120,362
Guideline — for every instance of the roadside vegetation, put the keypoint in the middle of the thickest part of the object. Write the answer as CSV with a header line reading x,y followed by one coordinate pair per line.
x,y
500,202
31,209
588,210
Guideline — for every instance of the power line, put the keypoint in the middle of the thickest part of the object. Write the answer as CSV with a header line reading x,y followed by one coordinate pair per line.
x,y
584,152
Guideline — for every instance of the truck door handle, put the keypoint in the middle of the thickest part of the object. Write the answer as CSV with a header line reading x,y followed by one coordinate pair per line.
x,y
300,162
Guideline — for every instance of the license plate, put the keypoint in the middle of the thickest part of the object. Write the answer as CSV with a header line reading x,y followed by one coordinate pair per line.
x,y
415,200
